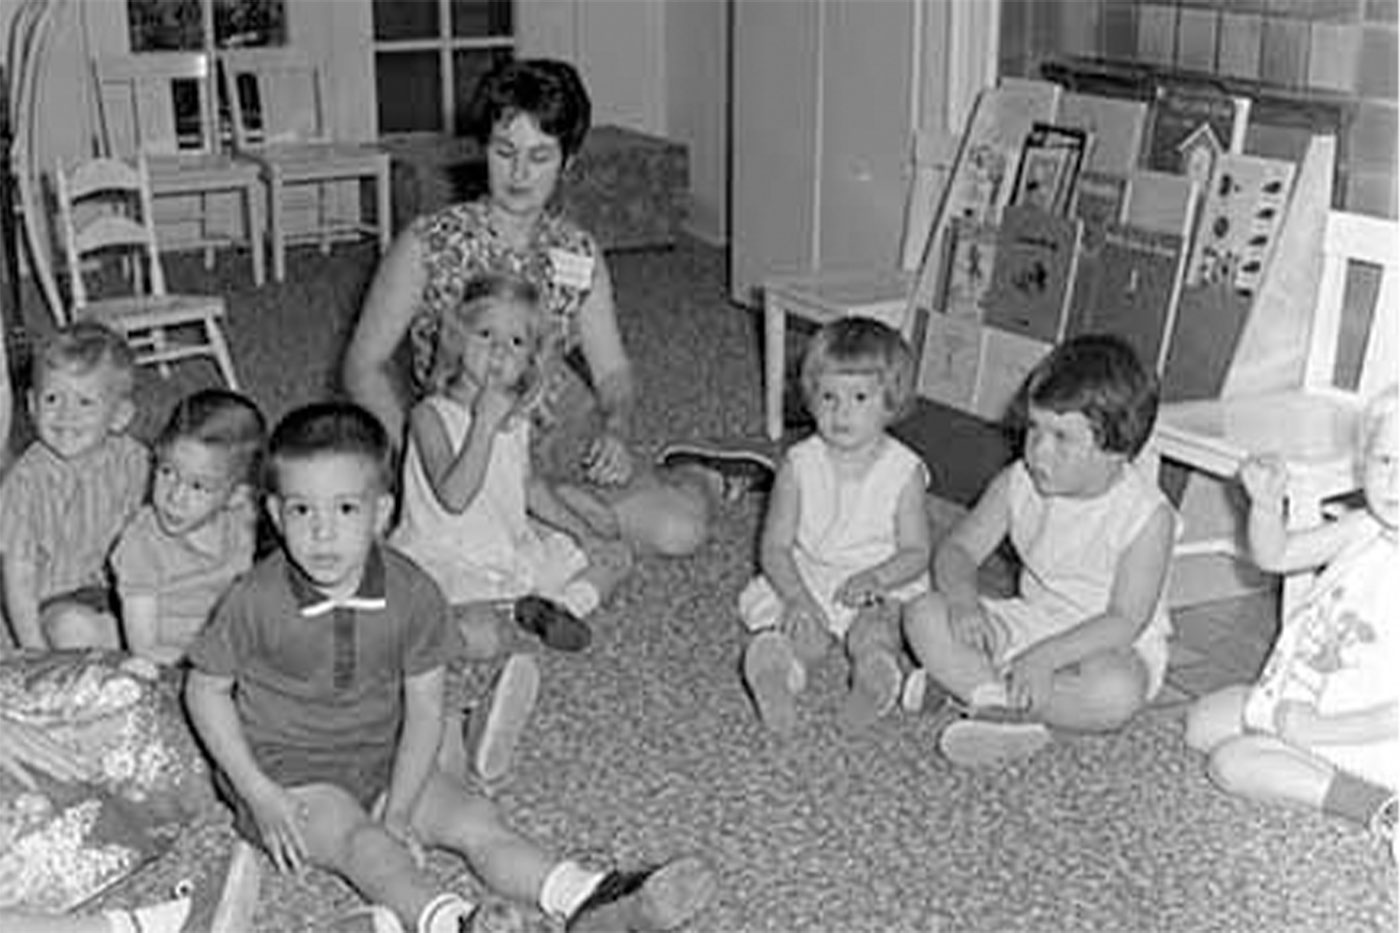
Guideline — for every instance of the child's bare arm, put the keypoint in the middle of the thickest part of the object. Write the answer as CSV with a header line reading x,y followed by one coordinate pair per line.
x,y
215,718
910,559
1137,589
972,541
779,537
141,626
1302,724
22,602
456,476
1273,547
418,747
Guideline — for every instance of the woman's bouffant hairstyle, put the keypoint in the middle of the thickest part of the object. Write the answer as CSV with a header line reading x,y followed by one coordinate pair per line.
x,y
1100,376
547,89
460,320
224,420
861,346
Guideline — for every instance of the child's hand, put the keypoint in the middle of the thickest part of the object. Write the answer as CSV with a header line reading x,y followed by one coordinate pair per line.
x,y
280,816
400,828
1265,478
973,627
495,402
608,461
1029,681
861,590
804,622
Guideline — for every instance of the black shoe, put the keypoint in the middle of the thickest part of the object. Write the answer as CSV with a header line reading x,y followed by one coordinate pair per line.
x,y
655,899
554,625
743,465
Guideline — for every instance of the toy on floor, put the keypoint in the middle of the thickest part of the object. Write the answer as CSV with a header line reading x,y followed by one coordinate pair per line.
x,y
1083,646
845,542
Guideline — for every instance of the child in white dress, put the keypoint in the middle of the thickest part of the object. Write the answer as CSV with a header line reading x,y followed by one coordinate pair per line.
x,y
474,517
845,542
1083,644
1320,726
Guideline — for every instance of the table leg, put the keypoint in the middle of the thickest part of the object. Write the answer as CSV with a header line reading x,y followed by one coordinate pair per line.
x,y
774,350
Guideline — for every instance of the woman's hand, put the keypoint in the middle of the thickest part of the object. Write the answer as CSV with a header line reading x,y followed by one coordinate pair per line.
x,y
608,461
279,816
25,751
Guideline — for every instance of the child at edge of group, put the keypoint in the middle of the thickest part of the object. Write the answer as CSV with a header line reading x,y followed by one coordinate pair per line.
x,y
845,541
336,646
1320,726
69,495
197,533
475,517
1083,644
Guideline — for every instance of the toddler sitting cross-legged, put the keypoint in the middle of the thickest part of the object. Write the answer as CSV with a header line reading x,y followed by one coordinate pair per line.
x,y
318,690
845,542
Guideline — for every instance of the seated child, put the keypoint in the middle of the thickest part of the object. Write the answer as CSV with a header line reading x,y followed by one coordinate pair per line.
x,y
1083,645
70,494
474,517
318,690
183,549
845,542
1320,726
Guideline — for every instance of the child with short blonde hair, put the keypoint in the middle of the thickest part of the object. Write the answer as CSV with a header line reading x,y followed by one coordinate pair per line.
x,y
196,535
1083,644
1320,725
67,498
845,542
474,516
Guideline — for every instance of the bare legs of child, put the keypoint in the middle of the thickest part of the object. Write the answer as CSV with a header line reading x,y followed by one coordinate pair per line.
x,y
1099,693
75,624
342,837
1266,768
776,663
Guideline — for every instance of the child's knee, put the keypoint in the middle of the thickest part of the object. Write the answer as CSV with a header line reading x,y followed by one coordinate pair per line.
x,y
926,616
72,625
672,521
1231,765
481,631
1117,691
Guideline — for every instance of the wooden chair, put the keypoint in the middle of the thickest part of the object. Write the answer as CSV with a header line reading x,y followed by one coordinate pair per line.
x,y
1313,427
279,122
104,210
140,101
827,295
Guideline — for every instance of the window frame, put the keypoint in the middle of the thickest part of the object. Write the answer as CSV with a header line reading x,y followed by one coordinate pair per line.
x,y
446,45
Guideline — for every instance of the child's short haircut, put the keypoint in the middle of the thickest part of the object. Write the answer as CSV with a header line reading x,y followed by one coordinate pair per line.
x,y
861,346
1101,377
227,421
457,323
84,346
324,428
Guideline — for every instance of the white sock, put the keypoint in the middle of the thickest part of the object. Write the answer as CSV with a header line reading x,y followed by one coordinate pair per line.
x,y
566,887
168,917
580,597
992,693
444,914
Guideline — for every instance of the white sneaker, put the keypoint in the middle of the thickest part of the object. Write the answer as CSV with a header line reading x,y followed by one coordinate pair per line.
x,y
978,743
494,729
1382,826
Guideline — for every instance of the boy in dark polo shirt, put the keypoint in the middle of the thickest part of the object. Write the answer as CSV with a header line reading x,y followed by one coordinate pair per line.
x,y
328,747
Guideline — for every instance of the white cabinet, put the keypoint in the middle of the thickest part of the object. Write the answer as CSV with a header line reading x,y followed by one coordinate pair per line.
x,y
824,102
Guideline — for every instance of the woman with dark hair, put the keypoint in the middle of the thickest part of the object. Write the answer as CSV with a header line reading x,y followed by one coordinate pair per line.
x,y
531,117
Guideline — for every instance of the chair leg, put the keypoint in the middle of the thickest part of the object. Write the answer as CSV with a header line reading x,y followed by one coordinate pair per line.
x,y
775,333
252,215
386,220
219,346
325,194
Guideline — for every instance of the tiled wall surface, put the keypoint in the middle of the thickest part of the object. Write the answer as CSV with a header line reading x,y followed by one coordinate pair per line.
x,y
1329,49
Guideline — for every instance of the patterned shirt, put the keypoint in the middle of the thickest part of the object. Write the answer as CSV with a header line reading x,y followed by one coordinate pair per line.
x,y
461,242
63,516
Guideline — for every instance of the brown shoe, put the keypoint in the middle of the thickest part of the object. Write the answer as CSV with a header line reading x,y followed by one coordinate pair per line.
x,y
648,901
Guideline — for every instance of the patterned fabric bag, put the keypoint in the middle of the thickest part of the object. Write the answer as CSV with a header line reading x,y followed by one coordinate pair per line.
x,y
67,842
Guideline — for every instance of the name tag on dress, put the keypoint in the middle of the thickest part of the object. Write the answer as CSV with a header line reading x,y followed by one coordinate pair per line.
x,y
571,270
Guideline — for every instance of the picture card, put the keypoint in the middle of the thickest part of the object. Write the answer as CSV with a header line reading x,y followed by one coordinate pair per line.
x,y
1031,280
972,250
948,367
1243,210
1048,169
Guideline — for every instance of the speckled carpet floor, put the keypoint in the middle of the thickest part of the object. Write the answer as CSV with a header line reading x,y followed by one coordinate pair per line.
x,y
645,746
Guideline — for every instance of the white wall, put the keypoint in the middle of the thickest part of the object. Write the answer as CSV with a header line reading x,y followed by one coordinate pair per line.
x,y
697,92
